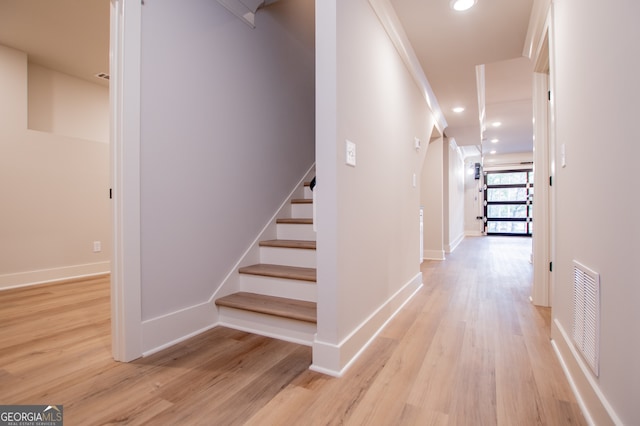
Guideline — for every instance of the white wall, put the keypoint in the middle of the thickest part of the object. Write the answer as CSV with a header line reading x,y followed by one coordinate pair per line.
x,y
453,196
54,188
595,68
227,129
368,215
432,199
65,105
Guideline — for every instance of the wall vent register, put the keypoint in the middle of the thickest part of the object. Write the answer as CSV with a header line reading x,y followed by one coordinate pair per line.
x,y
586,314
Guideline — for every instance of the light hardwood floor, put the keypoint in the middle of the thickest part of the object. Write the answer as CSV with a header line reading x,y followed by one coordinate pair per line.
x,y
469,349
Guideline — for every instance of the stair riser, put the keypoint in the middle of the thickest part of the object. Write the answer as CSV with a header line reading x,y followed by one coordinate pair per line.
x,y
299,332
288,256
279,287
288,231
308,193
301,210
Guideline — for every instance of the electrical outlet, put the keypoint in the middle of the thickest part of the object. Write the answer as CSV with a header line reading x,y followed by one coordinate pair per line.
x,y
351,153
97,246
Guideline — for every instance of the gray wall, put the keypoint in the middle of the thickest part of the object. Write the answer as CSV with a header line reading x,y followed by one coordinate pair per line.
x,y
595,88
227,130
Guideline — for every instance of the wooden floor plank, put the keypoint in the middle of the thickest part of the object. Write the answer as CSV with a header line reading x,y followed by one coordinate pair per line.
x,y
469,348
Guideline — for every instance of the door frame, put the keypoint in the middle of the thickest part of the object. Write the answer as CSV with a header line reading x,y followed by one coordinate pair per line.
x,y
540,52
124,94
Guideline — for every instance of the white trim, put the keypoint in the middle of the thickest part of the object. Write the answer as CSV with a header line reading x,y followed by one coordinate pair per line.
x,y
473,233
451,247
434,255
167,330
52,275
586,373
328,358
540,239
124,92
392,25
552,151
536,29
482,104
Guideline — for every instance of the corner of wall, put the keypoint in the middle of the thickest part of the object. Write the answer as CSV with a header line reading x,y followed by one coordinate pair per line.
x,y
449,248
167,330
335,359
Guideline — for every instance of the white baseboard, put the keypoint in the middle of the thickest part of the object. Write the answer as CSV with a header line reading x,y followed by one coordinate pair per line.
x,y
433,255
451,247
594,405
334,359
468,233
51,275
167,330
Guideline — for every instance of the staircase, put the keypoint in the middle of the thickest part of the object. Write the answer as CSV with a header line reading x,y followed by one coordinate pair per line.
x,y
277,297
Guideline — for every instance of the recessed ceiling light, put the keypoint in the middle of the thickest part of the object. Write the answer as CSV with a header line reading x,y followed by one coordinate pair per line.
x,y
496,124
492,151
495,140
462,5
458,109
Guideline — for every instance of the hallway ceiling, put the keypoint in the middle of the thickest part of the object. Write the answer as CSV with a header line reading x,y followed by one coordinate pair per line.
x,y
72,36
450,44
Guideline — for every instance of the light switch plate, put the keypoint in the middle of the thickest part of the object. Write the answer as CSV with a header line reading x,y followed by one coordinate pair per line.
x,y
351,153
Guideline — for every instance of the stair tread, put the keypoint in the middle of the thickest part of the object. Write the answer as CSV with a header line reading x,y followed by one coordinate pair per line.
x,y
297,244
296,220
302,201
280,271
272,305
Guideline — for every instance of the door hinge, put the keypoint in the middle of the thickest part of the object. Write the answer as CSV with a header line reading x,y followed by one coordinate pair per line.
x,y
550,266
549,94
110,193
550,180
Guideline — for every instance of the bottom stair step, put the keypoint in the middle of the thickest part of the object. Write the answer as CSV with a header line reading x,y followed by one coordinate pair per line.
x,y
279,306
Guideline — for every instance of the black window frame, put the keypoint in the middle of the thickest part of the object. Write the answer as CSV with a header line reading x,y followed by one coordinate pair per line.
x,y
528,202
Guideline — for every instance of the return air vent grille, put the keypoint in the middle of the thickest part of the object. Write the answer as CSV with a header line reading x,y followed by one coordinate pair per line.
x,y
586,314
